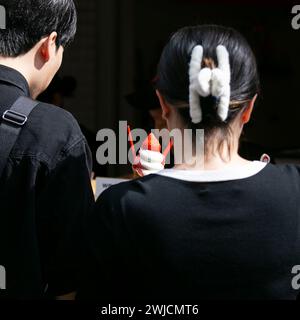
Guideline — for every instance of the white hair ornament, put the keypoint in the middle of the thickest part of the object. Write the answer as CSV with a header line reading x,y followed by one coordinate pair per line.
x,y
205,82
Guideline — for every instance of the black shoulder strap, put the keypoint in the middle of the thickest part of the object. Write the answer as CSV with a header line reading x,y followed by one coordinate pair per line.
x,y
13,121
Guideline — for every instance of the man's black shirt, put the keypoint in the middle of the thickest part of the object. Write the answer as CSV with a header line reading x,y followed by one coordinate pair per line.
x,y
45,193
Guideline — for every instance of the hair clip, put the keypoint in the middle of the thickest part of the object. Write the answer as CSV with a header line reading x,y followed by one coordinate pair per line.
x,y
205,82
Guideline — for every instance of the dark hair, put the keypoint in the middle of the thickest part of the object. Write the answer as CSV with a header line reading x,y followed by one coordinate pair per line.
x,y
28,21
173,74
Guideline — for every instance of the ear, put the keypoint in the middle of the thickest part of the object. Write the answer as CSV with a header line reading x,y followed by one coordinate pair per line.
x,y
48,46
246,116
164,106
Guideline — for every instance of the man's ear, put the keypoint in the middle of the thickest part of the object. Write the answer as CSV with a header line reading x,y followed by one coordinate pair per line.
x,y
246,116
164,106
48,46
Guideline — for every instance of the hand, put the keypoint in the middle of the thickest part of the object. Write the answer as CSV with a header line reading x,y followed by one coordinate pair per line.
x,y
148,162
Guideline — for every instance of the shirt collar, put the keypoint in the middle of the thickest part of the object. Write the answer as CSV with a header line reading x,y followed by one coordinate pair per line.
x,y
14,78
227,174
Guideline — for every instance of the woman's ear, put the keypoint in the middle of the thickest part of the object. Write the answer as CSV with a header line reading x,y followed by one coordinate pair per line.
x,y
246,116
164,106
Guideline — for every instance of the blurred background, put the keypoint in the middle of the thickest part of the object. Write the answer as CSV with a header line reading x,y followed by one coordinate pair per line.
x,y
107,71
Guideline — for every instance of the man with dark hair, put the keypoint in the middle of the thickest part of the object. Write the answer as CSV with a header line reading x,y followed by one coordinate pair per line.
x,y
45,188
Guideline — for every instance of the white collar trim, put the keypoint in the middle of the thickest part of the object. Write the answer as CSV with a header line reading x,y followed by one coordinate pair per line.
x,y
227,174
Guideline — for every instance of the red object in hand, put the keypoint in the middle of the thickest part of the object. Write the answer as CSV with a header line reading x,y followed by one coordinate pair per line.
x,y
151,143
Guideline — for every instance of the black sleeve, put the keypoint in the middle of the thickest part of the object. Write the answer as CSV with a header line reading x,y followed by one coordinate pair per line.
x,y
107,270
97,271
63,205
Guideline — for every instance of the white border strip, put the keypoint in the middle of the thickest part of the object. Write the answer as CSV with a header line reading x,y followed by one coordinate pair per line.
x,y
228,174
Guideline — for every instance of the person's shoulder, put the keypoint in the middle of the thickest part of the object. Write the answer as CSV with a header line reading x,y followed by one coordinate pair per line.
x,y
288,173
49,133
57,118
132,190
287,168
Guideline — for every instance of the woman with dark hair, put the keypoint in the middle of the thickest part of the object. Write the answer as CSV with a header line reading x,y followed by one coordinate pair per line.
x,y
221,228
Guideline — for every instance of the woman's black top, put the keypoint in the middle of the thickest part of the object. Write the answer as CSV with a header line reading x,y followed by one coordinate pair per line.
x,y
161,238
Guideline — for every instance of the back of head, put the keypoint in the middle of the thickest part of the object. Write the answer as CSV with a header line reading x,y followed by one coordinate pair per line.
x,y
28,21
174,75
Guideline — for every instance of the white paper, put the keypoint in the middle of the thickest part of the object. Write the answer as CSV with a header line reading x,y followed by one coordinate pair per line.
x,y
104,183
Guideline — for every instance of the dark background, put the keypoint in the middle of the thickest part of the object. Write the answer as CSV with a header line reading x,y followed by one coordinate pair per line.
x,y
119,42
